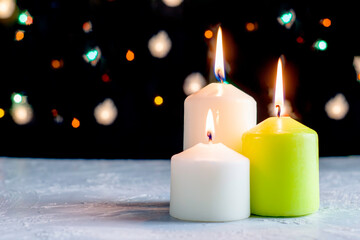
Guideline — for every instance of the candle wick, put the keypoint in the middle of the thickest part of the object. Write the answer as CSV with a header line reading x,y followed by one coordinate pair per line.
x,y
279,110
209,135
220,77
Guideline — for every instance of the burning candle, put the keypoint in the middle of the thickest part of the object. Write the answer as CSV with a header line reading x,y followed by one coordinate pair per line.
x,y
284,163
209,182
235,111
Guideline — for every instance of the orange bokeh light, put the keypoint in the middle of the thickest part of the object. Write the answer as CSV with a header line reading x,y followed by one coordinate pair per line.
x,y
250,27
130,55
19,35
208,34
326,22
75,123
56,64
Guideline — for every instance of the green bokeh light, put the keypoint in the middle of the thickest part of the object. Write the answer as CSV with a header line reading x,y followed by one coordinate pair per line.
x,y
321,45
92,54
286,17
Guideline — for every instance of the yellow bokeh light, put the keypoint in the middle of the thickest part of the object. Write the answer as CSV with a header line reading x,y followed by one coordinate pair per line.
x,y
208,34
2,113
158,100
75,123
130,55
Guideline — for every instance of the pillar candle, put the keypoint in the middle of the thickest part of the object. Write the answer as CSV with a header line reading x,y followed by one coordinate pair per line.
x,y
235,111
209,182
284,164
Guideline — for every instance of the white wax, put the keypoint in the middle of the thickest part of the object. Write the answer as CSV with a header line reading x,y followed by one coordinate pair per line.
x,y
210,182
234,113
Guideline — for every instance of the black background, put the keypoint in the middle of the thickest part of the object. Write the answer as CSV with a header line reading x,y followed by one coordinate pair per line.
x,y
143,130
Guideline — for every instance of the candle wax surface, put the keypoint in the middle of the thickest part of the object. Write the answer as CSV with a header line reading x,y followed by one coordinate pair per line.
x,y
209,182
284,167
234,113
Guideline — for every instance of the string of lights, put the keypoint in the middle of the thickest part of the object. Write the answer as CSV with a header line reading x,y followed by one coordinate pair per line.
x,y
116,73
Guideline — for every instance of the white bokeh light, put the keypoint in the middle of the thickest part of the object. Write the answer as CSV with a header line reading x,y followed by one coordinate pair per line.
x,y
193,83
159,45
337,107
105,112
7,8
21,113
172,3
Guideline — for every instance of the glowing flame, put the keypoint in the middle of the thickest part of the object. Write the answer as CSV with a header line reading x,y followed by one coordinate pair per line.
x,y
279,91
210,129
219,68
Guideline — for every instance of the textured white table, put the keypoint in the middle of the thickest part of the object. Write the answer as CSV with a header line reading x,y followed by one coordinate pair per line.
x,y
82,199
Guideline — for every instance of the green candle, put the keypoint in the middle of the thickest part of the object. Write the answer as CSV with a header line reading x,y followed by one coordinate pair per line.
x,y
284,168
284,165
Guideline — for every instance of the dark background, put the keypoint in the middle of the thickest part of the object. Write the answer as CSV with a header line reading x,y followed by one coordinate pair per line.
x,y
141,129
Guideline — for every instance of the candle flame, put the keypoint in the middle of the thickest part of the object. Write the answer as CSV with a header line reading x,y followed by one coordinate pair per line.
x,y
219,67
279,91
210,129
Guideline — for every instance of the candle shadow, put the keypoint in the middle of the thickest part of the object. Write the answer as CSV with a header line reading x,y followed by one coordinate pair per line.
x,y
140,212
109,211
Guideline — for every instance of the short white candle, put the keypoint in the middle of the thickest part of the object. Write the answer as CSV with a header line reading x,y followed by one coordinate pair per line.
x,y
210,182
235,111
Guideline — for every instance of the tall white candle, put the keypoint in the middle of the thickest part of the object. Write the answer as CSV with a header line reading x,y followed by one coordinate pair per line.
x,y
209,182
235,111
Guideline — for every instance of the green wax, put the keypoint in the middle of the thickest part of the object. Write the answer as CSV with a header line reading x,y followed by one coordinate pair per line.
x,y
284,168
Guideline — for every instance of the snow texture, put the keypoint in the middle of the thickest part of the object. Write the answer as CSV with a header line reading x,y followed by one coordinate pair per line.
x,y
129,199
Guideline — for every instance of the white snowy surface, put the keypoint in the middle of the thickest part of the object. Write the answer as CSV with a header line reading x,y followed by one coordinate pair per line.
x,y
129,199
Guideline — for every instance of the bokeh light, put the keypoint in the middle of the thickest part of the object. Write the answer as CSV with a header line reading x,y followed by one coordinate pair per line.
x,y
92,56
193,83
21,113
2,113
172,3
300,39
56,64
7,8
159,45
19,35
287,19
208,34
25,18
106,112
158,100
87,27
250,26
337,107
356,64
17,98
320,45
326,22
105,78
130,55
75,123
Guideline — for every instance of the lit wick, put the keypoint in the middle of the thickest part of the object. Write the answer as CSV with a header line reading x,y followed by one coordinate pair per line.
x,y
209,130
220,77
209,135
278,110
